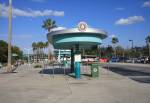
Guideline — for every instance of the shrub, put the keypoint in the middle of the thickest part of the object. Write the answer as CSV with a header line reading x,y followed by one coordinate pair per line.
x,y
38,66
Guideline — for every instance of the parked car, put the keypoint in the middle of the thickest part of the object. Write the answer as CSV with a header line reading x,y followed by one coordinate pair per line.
x,y
142,60
103,60
138,60
121,59
114,59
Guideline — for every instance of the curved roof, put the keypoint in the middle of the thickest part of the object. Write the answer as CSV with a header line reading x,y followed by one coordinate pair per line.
x,y
67,38
100,33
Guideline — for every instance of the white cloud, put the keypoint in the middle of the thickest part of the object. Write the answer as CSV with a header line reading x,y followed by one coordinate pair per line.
x,y
130,20
29,12
146,4
112,36
120,8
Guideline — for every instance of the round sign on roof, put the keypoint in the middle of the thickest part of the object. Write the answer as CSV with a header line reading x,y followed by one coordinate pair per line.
x,y
82,26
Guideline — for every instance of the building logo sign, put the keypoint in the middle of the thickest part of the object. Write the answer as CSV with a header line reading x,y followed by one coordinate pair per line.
x,y
82,26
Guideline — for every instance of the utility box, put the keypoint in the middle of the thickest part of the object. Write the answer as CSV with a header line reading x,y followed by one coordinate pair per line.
x,y
94,70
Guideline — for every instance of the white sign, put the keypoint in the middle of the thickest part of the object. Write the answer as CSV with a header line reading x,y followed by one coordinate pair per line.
x,y
77,58
82,26
95,70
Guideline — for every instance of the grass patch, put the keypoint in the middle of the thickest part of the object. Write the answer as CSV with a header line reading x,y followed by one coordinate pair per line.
x,y
38,66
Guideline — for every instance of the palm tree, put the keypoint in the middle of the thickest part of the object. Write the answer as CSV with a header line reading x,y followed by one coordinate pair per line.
x,y
34,45
49,24
115,41
41,46
46,45
148,42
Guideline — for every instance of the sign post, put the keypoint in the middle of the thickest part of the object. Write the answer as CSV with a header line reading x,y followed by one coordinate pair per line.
x,y
77,65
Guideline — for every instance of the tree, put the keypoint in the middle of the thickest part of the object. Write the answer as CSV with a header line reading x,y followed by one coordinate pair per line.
x,y
109,51
49,24
148,43
115,41
34,47
4,52
16,50
40,47
120,51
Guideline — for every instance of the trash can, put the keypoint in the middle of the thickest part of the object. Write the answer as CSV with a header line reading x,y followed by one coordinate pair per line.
x,y
65,63
94,70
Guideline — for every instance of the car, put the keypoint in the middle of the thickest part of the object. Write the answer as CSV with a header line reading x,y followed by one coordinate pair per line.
x,y
142,59
103,60
138,60
124,59
114,59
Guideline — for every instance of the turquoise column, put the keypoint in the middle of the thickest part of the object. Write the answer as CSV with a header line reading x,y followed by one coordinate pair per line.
x,y
77,63
77,70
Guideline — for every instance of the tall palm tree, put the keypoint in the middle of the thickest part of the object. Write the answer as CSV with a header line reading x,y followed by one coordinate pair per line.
x,y
148,42
9,69
49,24
114,42
41,45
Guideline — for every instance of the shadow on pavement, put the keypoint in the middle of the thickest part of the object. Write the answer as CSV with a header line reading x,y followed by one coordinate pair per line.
x,y
87,75
138,76
8,72
55,71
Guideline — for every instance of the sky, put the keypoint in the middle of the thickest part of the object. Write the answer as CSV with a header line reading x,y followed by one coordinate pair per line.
x,y
124,19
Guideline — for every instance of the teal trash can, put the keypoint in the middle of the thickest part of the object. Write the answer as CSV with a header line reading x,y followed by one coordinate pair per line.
x,y
65,63
95,70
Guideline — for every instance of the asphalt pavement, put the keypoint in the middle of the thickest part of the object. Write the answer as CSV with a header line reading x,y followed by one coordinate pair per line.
x,y
33,85
137,72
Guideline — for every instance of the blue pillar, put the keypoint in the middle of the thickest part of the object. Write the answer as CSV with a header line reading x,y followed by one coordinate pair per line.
x,y
77,63
77,70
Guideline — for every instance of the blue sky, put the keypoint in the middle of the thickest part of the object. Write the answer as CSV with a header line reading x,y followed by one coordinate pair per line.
x,y
125,19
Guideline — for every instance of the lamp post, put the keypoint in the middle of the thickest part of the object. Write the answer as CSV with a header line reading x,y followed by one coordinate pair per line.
x,y
28,51
131,44
9,36
132,49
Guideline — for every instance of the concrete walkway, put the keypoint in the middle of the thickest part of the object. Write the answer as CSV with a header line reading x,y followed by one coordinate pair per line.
x,y
27,85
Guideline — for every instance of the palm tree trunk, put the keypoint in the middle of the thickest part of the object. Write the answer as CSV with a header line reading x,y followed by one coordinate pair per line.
x,y
9,36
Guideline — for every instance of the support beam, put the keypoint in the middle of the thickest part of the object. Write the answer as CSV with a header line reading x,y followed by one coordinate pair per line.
x,y
72,60
77,63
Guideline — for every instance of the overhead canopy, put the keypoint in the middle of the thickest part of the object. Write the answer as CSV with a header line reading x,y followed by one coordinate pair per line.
x,y
68,38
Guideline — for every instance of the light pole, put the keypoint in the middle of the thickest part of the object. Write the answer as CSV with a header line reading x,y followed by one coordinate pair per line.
x,y
28,51
9,37
132,50
131,44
